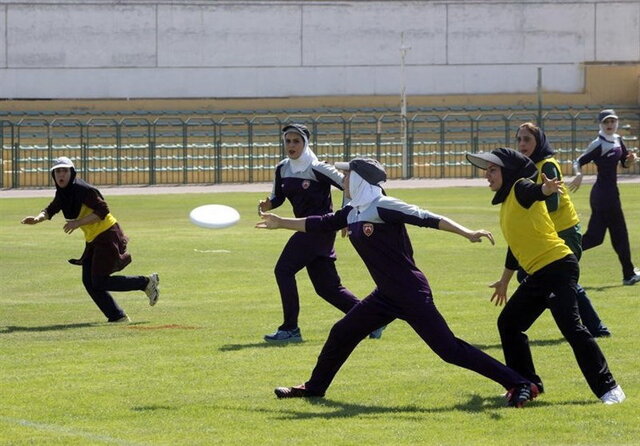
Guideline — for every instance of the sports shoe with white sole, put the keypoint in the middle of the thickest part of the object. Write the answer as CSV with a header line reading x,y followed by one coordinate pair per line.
x,y
284,336
152,291
123,320
613,396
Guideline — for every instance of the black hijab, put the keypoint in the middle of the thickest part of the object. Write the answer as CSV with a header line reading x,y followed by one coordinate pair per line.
x,y
73,195
515,166
543,149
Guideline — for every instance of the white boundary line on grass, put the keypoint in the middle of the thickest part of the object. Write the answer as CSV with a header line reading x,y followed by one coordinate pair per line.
x,y
67,431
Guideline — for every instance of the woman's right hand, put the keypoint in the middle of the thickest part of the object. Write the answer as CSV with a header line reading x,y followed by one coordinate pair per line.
x,y
575,183
30,220
499,296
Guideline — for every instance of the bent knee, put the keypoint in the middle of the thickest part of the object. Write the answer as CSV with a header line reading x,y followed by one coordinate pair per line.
x,y
99,283
284,270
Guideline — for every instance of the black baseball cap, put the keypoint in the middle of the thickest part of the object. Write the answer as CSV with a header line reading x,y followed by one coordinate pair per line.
x,y
369,169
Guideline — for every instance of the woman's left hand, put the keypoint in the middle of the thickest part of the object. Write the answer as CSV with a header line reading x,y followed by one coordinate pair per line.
x,y
551,185
476,236
269,221
71,226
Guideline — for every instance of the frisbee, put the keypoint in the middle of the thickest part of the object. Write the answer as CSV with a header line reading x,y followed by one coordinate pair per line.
x,y
214,216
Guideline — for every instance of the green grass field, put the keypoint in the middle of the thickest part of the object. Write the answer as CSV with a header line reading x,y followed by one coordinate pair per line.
x,y
194,370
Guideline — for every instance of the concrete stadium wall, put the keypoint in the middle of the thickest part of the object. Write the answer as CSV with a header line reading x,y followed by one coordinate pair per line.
x,y
260,49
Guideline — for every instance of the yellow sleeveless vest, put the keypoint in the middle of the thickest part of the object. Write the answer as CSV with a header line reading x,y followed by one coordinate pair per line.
x,y
530,234
95,229
565,216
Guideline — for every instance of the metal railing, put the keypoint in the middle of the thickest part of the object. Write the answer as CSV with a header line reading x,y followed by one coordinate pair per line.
x,y
245,148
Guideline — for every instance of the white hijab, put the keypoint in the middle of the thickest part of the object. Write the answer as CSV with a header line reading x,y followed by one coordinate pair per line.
x,y
306,158
609,137
362,193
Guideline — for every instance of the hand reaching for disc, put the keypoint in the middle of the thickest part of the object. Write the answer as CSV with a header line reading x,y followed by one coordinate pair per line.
x,y
269,221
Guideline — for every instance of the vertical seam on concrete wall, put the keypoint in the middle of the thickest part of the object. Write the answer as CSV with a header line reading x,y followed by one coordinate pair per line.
x,y
156,33
6,36
302,36
595,32
446,35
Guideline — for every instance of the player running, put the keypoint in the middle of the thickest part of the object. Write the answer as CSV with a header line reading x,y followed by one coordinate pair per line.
x,y
105,249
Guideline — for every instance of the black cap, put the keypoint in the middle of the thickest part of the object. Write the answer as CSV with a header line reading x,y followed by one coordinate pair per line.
x,y
369,169
513,164
297,128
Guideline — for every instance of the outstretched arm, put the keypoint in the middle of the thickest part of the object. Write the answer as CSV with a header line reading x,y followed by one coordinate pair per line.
x,y
273,221
446,224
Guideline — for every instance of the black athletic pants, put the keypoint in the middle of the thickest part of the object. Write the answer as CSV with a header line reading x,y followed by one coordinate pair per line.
x,y
559,280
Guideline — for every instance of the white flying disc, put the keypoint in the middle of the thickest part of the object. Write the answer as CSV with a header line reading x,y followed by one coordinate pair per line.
x,y
215,216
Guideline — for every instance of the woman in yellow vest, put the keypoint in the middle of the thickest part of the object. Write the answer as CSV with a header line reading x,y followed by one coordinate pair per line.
x,y
84,207
552,270
532,143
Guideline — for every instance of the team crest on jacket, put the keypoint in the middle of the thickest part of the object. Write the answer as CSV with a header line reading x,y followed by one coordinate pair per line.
x,y
367,228
306,184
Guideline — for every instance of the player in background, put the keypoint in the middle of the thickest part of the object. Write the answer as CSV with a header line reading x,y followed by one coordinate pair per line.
x,y
105,252
376,228
532,143
606,208
552,269
306,183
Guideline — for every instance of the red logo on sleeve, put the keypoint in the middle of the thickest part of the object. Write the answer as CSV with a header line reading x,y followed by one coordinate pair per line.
x,y
306,184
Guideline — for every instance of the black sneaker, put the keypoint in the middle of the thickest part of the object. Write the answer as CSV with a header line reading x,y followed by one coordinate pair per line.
x,y
296,392
602,333
633,279
292,392
520,394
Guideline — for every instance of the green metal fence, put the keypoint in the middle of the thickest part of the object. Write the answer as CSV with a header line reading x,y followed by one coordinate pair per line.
x,y
245,148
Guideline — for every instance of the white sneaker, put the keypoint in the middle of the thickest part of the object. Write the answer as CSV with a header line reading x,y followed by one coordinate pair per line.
x,y
614,396
152,291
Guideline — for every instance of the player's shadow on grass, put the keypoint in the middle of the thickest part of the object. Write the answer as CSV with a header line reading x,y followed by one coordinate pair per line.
x,y
535,342
492,406
601,288
236,347
56,327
